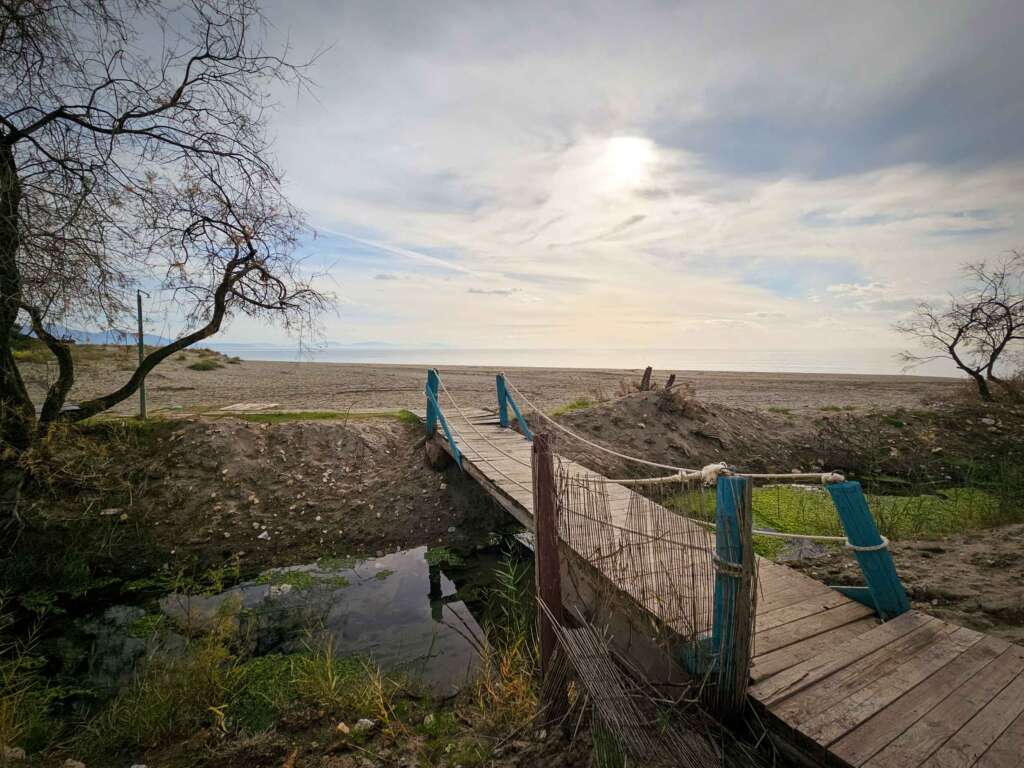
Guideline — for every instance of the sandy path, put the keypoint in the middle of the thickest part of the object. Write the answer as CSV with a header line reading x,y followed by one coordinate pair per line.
x,y
364,386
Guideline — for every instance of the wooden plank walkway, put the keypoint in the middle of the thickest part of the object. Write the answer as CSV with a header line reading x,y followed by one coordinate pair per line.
x,y
839,685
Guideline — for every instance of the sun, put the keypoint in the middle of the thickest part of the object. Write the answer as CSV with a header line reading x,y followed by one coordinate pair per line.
x,y
627,159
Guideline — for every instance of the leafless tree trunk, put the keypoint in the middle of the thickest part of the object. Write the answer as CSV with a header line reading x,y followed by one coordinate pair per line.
x,y
977,329
119,164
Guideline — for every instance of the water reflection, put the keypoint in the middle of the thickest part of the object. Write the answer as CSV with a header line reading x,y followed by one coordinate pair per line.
x,y
400,610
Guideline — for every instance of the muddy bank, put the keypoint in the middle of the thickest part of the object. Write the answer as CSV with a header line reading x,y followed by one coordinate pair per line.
x,y
685,430
975,579
206,491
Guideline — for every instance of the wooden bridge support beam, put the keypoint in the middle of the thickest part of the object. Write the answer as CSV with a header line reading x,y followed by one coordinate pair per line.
x,y
883,583
732,619
545,538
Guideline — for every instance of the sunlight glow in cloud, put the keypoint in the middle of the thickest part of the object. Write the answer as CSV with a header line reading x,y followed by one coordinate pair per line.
x,y
652,174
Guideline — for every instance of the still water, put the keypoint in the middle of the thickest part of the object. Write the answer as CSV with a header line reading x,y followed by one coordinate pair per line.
x,y
416,613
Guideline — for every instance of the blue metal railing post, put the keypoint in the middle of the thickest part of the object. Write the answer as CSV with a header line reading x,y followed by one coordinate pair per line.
x,y
875,562
433,385
499,381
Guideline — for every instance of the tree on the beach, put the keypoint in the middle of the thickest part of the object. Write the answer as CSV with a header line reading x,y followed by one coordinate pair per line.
x,y
134,151
977,330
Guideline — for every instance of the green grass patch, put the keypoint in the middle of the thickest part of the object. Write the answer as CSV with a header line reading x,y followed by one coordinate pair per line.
x,y
439,555
338,563
778,409
213,685
579,404
797,509
205,363
281,417
296,579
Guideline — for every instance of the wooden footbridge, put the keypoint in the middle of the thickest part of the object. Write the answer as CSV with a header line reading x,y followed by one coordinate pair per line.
x,y
841,676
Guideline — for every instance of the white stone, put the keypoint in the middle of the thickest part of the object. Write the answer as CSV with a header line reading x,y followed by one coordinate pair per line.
x,y
265,536
363,725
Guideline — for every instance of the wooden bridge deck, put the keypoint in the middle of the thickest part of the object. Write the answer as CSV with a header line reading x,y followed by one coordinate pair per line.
x,y
838,684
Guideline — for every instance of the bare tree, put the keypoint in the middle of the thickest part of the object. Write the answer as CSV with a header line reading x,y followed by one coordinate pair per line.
x,y
977,330
134,149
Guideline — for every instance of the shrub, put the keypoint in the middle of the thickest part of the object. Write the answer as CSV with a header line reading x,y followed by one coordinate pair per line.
x,y
206,363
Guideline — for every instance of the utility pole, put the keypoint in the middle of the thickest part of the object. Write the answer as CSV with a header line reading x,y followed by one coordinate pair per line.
x,y
142,355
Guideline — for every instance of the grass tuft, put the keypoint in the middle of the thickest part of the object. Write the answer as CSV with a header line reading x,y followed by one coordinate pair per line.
x,y
579,404
282,417
205,363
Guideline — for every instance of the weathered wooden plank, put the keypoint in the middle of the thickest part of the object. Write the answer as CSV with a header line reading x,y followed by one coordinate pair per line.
x,y
802,705
772,663
818,604
872,736
972,741
787,634
1008,750
937,726
807,673
887,685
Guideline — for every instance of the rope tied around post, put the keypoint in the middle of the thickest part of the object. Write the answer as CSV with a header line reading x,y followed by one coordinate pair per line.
x,y
883,544
728,567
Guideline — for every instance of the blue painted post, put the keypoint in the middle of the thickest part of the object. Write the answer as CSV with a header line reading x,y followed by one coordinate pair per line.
x,y
523,426
732,516
433,385
876,564
502,400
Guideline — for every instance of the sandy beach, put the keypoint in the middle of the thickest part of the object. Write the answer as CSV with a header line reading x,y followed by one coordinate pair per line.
x,y
339,386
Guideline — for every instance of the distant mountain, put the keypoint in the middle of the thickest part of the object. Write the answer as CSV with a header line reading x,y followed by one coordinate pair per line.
x,y
104,337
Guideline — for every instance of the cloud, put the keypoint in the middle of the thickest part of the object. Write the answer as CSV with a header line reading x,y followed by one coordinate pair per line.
x,y
494,291
812,168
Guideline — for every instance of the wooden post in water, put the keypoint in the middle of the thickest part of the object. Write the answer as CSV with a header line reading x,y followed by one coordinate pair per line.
x,y
545,546
734,592
872,553
433,385
502,399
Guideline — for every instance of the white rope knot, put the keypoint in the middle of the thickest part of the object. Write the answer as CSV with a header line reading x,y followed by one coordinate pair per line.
x,y
709,474
883,544
831,478
727,567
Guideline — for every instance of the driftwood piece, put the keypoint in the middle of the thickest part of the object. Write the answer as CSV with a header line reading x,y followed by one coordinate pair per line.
x,y
645,382
671,381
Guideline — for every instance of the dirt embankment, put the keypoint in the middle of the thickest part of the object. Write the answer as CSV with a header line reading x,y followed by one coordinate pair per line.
x,y
285,493
976,579
923,444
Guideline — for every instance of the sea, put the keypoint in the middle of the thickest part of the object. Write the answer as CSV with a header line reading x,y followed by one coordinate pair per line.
x,y
848,361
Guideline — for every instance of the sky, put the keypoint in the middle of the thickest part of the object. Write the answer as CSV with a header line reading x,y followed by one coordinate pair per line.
x,y
648,174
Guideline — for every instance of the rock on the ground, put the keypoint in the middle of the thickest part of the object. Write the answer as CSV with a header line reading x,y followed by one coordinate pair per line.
x,y
12,753
363,725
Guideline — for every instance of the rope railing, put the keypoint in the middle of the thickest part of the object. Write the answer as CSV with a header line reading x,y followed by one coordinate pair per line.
x,y
585,441
707,475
